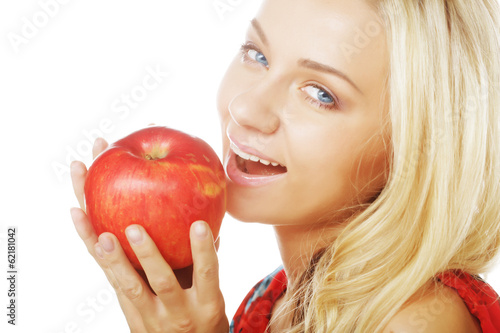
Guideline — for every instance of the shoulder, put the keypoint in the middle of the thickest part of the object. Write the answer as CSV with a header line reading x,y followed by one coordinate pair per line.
x,y
276,279
268,288
436,308
252,313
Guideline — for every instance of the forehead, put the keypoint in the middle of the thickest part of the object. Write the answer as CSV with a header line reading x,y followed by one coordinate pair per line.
x,y
346,34
338,15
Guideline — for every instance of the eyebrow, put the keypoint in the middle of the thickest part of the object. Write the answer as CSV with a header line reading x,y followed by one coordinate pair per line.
x,y
308,63
259,30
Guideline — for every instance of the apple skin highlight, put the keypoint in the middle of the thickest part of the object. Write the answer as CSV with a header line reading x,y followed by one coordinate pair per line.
x,y
162,179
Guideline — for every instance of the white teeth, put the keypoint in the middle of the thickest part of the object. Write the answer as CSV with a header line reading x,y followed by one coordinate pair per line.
x,y
252,157
244,155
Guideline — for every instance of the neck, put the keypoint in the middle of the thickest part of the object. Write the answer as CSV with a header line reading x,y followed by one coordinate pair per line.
x,y
298,243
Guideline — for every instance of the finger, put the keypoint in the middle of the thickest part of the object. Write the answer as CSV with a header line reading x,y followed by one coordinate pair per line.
x,y
99,146
160,275
78,174
129,281
84,229
205,262
132,315
87,234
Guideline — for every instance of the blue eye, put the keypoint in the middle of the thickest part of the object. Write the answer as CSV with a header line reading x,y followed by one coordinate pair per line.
x,y
319,94
251,53
315,93
320,97
257,56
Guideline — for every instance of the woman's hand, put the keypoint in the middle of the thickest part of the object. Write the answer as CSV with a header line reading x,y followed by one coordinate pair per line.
x,y
154,300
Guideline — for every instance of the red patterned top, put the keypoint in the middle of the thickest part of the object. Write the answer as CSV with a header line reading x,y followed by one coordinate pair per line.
x,y
254,313
481,300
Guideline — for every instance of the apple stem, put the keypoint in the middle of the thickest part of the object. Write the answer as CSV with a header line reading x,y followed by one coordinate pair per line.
x,y
156,154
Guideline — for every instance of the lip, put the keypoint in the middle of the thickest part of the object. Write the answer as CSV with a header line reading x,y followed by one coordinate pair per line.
x,y
251,151
241,178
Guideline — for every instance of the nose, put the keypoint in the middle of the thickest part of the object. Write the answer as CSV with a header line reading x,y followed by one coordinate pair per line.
x,y
257,107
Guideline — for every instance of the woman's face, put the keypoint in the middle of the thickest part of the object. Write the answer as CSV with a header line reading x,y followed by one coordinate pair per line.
x,y
306,91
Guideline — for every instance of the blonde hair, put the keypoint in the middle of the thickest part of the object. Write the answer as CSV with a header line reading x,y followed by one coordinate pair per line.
x,y
440,208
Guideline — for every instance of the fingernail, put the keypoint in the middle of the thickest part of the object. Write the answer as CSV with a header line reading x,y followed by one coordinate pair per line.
x,y
98,250
134,235
200,229
106,243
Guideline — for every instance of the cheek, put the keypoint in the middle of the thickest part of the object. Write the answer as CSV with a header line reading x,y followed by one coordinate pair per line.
x,y
321,152
340,173
321,171
369,171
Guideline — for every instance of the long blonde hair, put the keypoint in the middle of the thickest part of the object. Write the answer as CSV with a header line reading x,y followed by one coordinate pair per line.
x,y
440,207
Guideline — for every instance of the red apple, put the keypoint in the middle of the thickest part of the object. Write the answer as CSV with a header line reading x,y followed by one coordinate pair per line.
x,y
162,179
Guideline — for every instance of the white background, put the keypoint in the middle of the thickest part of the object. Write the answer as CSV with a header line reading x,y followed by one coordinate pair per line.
x,y
61,84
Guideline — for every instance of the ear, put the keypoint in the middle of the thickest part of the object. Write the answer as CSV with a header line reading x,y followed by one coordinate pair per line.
x,y
439,309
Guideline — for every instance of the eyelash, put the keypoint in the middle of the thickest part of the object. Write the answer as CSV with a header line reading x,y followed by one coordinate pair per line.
x,y
331,106
245,47
335,105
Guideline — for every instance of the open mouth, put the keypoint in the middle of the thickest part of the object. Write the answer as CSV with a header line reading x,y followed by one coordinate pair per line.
x,y
258,168
251,164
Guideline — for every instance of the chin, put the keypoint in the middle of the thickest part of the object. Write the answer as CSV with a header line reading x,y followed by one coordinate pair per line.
x,y
237,209
240,209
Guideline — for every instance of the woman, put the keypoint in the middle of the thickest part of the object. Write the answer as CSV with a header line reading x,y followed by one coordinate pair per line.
x,y
374,129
